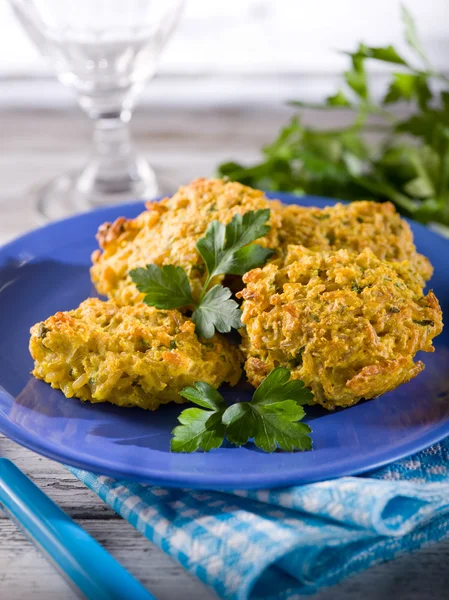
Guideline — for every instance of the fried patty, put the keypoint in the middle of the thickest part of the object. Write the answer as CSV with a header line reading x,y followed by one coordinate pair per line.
x,y
354,227
348,324
167,232
129,356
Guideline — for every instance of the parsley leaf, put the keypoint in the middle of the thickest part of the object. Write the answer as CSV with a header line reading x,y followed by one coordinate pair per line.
x,y
164,287
385,54
216,311
225,248
200,428
338,99
204,395
269,427
277,387
271,417
408,87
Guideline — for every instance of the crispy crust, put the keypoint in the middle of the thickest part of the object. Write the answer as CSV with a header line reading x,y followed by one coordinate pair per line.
x,y
347,324
167,232
354,227
129,356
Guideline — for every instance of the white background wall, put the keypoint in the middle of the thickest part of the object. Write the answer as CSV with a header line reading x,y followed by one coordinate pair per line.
x,y
263,36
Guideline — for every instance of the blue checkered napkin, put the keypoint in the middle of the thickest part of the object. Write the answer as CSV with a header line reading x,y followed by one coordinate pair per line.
x,y
271,544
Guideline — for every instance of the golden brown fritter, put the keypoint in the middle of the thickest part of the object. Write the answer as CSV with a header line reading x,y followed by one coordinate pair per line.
x,y
166,233
129,356
347,324
354,227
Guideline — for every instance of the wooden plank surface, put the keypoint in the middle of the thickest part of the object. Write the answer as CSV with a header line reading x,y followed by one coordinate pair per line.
x,y
181,144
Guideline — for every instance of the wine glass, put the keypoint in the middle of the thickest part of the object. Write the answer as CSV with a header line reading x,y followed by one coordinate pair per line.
x,y
105,50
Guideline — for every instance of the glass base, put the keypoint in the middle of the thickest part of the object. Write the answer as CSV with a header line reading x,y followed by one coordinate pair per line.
x,y
81,191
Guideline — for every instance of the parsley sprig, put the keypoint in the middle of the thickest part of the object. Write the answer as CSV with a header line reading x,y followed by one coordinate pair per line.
x,y
271,418
226,250
409,167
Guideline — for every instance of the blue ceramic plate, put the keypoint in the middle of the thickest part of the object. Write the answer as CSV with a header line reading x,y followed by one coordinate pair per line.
x,y
48,270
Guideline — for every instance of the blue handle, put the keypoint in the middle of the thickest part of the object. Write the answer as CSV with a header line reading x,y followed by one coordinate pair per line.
x,y
87,564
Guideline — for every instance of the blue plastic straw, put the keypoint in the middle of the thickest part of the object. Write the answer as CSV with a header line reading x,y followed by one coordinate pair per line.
x,y
77,555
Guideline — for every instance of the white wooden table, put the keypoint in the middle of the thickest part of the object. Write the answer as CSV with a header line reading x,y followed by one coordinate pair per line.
x,y
38,143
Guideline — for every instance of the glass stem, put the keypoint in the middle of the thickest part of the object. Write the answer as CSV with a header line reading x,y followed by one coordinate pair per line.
x,y
114,169
111,135
113,159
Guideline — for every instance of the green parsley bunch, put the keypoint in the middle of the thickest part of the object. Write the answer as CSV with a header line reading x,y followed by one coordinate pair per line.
x,y
410,167
271,418
226,250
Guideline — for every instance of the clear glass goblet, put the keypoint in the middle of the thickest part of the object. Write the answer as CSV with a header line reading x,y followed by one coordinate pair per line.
x,y
105,50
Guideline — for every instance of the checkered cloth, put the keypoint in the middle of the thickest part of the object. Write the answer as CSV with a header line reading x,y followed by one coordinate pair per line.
x,y
286,543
